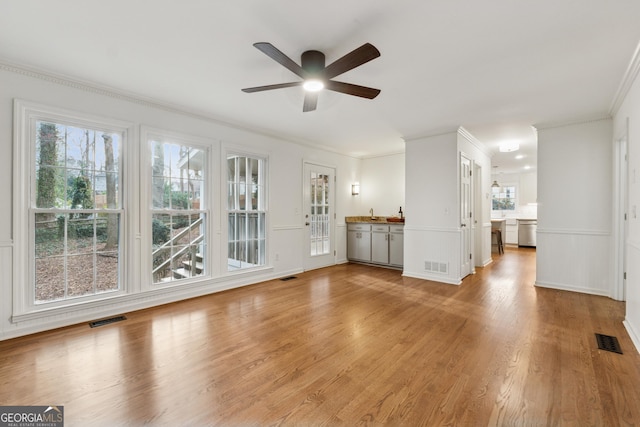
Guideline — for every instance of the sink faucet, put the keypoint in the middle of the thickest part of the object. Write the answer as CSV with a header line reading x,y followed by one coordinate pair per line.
x,y
371,211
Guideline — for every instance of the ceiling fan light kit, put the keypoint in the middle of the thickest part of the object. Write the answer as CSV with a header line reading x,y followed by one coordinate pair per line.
x,y
316,76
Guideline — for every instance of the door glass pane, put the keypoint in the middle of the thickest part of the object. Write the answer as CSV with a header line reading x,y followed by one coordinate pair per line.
x,y
319,224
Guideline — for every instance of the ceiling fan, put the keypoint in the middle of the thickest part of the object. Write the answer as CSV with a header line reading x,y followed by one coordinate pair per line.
x,y
316,76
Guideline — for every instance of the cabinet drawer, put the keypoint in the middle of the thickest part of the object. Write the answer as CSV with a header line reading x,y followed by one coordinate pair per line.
x,y
358,227
398,229
383,228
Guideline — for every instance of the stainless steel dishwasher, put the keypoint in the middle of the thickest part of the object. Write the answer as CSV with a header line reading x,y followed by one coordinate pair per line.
x,y
527,232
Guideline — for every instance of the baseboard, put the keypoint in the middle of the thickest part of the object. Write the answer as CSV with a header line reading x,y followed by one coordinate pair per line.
x,y
633,334
570,288
432,278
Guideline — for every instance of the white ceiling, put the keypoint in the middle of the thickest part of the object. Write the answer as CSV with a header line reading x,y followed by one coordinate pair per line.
x,y
495,67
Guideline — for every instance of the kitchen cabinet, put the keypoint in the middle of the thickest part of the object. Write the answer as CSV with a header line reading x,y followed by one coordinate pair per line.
x,y
396,245
380,244
511,237
359,242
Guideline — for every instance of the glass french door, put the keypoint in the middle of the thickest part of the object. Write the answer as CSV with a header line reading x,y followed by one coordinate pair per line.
x,y
319,215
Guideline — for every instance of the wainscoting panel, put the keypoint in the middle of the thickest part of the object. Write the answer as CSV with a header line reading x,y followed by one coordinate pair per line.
x,y
632,294
424,247
6,301
574,260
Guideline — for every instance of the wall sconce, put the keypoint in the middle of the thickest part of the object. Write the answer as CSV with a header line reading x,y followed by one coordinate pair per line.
x,y
355,189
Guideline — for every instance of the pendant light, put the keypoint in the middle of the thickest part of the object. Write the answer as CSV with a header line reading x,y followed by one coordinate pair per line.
x,y
495,184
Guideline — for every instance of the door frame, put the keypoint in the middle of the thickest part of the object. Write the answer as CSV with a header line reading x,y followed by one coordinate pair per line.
x,y
620,214
331,258
467,261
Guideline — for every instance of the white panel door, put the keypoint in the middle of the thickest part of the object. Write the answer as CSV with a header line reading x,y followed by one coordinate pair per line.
x,y
465,216
319,216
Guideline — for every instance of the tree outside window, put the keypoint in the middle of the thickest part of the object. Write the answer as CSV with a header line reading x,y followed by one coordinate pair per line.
x,y
76,211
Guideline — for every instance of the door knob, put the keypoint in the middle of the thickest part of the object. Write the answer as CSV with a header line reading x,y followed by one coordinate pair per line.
x,y
463,225
306,223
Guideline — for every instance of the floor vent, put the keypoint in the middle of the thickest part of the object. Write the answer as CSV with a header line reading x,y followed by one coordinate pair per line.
x,y
436,267
608,343
284,279
103,322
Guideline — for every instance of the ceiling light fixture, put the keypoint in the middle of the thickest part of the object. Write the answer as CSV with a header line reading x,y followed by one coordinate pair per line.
x,y
507,147
495,184
313,85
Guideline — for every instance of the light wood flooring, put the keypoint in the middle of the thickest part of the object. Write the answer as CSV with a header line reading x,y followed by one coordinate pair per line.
x,y
345,345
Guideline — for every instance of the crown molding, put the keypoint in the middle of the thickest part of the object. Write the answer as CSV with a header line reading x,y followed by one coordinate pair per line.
x,y
553,125
474,141
104,90
435,133
628,79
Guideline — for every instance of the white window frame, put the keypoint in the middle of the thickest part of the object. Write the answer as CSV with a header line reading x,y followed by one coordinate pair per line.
x,y
24,155
515,199
147,134
230,150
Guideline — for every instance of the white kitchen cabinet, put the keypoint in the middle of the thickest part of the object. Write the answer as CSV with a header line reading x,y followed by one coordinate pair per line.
x,y
511,235
359,242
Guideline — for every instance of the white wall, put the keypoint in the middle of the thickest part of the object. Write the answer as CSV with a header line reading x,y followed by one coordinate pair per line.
x,y
382,185
630,111
432,227
286,233
574,207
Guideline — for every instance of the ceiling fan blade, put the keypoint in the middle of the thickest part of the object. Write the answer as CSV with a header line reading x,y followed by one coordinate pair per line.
x,y
310,101
272,52
351,89
270,87
351,60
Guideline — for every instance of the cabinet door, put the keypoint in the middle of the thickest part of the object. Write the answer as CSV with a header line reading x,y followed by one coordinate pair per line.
x,y
396,249
380,248
352,243
359,245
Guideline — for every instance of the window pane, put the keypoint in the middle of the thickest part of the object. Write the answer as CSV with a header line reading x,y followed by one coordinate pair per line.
x,y
245,195
76,173
178,240
50,279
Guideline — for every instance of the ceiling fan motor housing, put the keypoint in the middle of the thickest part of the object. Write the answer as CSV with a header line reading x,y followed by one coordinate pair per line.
x,y
312,61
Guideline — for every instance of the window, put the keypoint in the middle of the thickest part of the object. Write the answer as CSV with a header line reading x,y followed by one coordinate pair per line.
x,y
178,219
246,205
503,198
68,207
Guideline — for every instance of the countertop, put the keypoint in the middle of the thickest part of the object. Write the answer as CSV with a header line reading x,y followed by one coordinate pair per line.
x,y
374,220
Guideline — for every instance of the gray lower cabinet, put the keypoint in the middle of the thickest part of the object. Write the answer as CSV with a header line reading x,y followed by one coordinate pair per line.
x,y
359,242
381,244
396,245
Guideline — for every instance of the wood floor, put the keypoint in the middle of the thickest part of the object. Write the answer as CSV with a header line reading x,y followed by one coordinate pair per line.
x,y
346,345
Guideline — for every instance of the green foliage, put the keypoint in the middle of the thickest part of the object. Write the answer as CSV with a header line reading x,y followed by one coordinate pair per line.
x,y
180,222
80,193
47,157
160,232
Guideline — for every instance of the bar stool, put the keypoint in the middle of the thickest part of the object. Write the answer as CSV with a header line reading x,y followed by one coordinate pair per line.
x,y
498,233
